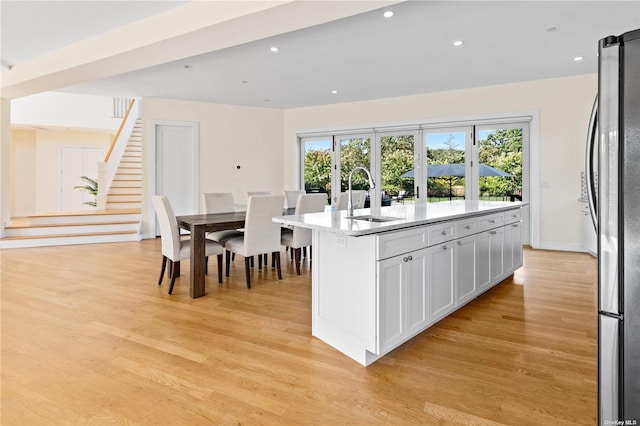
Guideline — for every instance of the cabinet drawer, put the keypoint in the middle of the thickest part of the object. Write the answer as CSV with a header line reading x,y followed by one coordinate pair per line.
x,y
440,233
466,227
399,242
513,216
490,221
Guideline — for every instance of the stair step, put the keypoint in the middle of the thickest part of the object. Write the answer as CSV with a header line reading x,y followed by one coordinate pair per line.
x,y
126,183
86,216
128,176
128,190
72,229
60,240
123,204
120,198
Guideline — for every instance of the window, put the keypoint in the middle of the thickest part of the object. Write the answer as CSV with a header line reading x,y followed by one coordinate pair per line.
x,y
446,169
484,160
316,162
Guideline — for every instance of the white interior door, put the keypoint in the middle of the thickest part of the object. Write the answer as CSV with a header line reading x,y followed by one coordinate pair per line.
x,y
176,146
75,162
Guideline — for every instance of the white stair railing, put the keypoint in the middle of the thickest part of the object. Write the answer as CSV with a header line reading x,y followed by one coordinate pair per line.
x,y
107,168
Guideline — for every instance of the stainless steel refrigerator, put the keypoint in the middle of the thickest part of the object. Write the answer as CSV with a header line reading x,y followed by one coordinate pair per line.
x,y
616,151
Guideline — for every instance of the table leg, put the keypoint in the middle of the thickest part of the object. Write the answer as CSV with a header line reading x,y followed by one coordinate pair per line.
x,y
196,289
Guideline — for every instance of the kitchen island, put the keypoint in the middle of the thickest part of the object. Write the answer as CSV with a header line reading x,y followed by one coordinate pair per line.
x,y
379,280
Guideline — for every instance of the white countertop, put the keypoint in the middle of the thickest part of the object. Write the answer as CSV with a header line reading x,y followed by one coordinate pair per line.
x,y
406,216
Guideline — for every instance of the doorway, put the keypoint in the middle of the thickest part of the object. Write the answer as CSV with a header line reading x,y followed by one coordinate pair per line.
x,y
77,161
176,165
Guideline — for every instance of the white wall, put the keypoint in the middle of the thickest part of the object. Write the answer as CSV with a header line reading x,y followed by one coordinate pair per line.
x,y
564,106
230,136
35,165
64,110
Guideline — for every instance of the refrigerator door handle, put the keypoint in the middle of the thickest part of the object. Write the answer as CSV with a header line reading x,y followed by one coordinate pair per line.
x,y
592,150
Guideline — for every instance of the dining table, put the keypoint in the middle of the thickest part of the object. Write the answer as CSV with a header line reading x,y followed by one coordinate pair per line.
x,y
201,224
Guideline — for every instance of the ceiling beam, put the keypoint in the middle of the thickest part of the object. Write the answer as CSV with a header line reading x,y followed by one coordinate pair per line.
x,y
195,28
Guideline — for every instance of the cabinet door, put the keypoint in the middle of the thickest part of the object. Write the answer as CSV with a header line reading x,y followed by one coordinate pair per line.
x,y
517,245
440,280
417,291
465,269
483,261
496,238
507,250
391,313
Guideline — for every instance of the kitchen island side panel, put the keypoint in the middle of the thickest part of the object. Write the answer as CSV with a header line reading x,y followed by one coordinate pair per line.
x,y
344,293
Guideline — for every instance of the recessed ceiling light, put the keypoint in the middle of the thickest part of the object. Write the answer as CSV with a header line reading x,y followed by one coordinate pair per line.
x,y
458,43
274,49
578,58
388,13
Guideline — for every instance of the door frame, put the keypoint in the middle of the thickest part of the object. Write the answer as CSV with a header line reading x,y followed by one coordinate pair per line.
x,y
149,212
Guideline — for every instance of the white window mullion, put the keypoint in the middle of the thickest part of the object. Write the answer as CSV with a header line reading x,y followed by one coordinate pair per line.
x,y
472,166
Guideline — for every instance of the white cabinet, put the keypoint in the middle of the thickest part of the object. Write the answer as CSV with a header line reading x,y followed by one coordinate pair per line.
x,y
496,247
371,293
402,290
466,269
512,253
483,261
490,251
440,280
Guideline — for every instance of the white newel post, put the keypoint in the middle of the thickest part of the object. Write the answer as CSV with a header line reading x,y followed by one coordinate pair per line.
x,y
103,183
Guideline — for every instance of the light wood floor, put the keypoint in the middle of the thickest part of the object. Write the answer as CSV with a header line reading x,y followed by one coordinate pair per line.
x,y
88,338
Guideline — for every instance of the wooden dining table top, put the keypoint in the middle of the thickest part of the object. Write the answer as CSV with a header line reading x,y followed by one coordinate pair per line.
x,y
213,221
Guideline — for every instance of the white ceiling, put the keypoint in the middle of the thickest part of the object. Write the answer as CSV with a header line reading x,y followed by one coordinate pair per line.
x,y
362,57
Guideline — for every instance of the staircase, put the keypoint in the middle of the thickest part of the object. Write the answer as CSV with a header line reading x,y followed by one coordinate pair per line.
x,y
126,188
119,222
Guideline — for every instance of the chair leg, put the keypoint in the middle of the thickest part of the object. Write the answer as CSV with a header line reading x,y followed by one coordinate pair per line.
x,y
273,262
266,259
247,270
220,268
260,262
170,271
276,254
310,252
228,253
297,259
304,252
176,272
206,265
164,266
252,262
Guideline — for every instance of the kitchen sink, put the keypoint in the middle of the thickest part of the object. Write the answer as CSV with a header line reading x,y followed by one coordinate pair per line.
x,y
372,218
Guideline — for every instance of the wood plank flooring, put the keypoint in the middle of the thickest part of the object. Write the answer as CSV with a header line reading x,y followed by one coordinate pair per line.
x,y
88,338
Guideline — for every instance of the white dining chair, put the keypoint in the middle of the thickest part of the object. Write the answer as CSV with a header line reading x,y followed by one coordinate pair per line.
x,y
261,234
291,198
220,202
174,248
359,196
298,237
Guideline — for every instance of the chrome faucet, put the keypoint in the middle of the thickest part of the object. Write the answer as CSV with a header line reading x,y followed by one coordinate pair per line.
x,y
372,185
